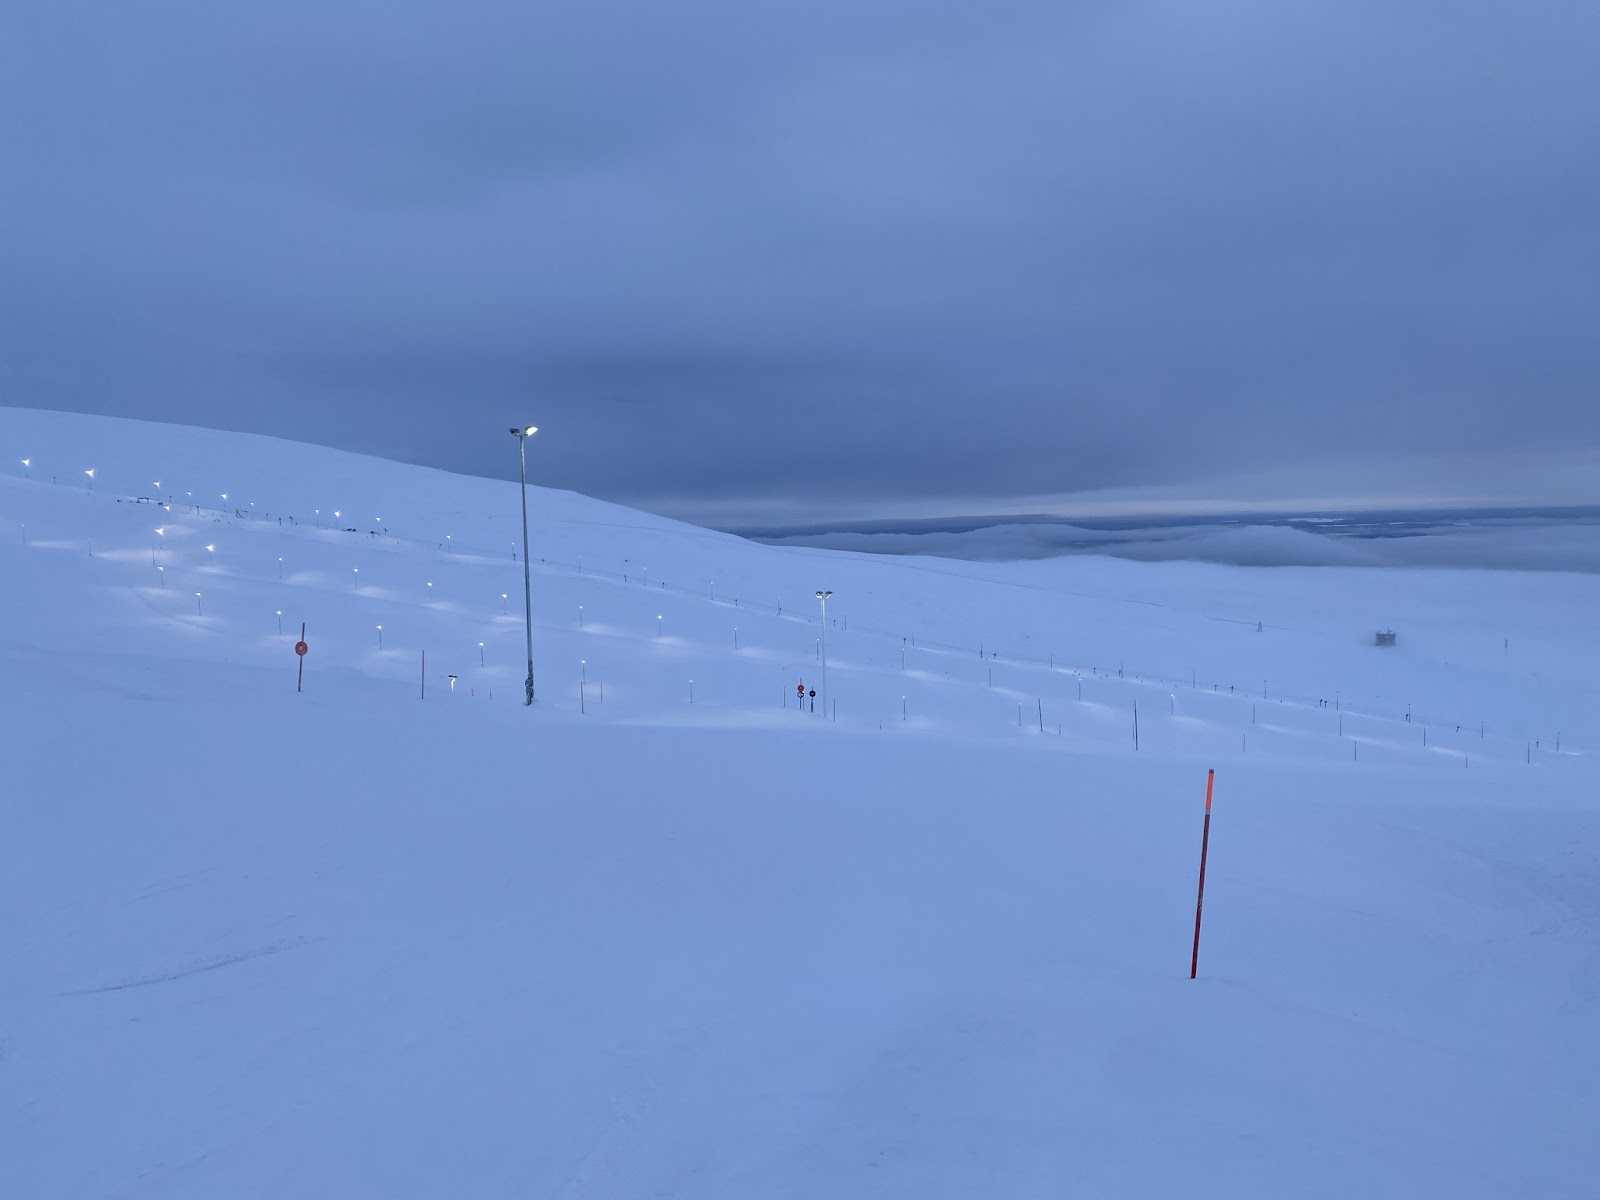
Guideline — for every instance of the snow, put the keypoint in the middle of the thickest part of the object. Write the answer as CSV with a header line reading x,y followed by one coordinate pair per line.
x,y
353,942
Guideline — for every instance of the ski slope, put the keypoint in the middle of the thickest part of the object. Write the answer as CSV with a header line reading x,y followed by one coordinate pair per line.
x,y
668,935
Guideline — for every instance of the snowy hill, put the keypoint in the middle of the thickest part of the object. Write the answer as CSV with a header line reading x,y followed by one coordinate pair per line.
x,y
667,935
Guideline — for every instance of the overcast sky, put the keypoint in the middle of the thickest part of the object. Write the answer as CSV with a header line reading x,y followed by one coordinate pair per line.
x,y
750,261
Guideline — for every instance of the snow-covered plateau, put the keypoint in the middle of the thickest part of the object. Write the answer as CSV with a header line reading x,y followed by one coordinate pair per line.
x,y
668,934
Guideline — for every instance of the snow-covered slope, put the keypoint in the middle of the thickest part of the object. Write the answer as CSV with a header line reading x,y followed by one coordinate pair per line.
x,y
668,935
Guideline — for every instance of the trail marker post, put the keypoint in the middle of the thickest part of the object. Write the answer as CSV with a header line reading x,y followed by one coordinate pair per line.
x,y
1200,895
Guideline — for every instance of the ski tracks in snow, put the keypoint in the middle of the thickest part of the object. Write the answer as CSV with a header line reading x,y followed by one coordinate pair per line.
x,y
200,967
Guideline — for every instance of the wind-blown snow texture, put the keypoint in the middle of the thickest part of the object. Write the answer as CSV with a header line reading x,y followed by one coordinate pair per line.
x,y
354,942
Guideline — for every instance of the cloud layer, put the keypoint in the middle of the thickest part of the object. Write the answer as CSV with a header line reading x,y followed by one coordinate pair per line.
x,y
1527,544
843,253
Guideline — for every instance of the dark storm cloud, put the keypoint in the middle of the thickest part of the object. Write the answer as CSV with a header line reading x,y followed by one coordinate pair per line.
x,y
738,256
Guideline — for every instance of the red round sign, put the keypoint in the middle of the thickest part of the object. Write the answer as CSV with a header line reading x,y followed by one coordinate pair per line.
x,y
301,648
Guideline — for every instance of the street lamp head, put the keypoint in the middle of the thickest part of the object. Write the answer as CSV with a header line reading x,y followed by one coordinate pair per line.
x,y
524,431
823,595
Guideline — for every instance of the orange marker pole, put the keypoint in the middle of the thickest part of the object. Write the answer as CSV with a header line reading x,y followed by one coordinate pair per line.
x,y
1200,897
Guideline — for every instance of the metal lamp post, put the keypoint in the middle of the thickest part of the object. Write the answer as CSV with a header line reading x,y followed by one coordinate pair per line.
x,y
822,598
522,433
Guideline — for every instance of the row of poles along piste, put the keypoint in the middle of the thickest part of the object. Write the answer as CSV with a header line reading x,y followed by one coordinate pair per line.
x,y
626,574
638,575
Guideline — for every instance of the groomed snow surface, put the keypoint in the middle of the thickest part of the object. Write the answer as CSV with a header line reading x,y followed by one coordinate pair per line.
x,y
355,942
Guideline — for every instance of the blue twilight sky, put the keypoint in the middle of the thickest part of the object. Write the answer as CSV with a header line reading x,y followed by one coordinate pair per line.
x,y
756,262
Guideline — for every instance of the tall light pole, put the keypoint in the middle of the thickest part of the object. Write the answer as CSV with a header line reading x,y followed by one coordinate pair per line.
x,y
522,433
822,598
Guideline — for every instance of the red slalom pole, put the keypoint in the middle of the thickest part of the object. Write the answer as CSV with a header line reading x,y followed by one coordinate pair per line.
x,y
1200,897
